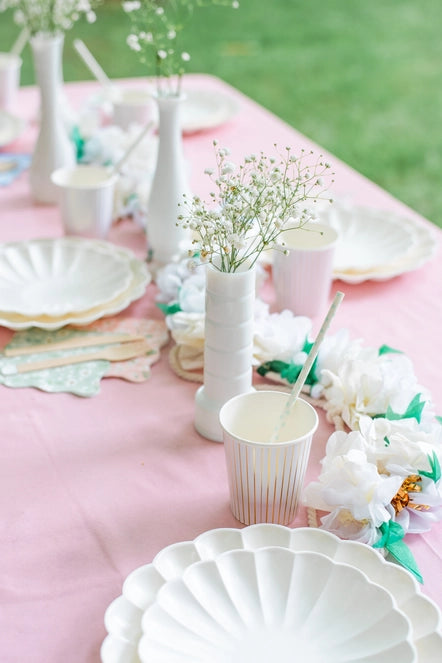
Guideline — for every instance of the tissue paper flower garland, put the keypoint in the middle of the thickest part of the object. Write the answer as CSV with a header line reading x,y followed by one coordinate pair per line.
x,y
381,474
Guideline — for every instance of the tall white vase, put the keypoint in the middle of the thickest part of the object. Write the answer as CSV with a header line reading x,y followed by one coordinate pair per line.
x,y
165,238
228,346
53,148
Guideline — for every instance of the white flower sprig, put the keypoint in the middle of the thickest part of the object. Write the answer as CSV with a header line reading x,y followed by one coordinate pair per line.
x,y
50,17
254,204
156,29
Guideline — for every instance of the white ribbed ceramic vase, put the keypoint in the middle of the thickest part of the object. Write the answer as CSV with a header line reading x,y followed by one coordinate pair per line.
x,y
165,238
228,346
53,148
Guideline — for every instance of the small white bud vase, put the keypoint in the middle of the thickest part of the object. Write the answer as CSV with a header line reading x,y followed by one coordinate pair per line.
x,y
165,238
228,345
53,148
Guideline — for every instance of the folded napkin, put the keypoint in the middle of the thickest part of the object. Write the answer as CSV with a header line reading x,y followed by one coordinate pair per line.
x,y
84,379
11,165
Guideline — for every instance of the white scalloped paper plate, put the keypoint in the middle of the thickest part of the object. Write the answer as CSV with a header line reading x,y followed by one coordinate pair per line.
x,y
59,276
253,606
139,279
206,109
377,245
123,616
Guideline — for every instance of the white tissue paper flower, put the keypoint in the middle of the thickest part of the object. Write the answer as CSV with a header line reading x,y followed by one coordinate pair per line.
x,y
187,329
369,386
349,481
278,335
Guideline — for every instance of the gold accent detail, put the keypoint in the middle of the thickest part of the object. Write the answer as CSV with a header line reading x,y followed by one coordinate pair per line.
x,y
403,499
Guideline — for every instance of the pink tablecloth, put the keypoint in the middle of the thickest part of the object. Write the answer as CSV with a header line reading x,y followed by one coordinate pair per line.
x,y
93,488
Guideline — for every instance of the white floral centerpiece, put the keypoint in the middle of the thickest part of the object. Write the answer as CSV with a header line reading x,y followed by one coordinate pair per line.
x,y
253,204
50,17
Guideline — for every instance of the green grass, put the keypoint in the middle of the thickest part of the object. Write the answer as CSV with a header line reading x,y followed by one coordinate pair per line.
x,y
363,79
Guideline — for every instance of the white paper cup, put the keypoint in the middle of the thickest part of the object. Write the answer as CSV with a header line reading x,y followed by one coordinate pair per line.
x,y
302,279
131,106
10,67
86,199
265,479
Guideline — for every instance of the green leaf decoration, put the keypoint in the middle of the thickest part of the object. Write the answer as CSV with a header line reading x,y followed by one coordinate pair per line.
x,y
439,419
287,371
312,377
413,411
386,349
169,309
392,535
435,473
78,141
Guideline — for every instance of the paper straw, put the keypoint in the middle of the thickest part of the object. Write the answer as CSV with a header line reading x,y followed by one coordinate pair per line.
x,y
20,42
131,147
91,63
307,365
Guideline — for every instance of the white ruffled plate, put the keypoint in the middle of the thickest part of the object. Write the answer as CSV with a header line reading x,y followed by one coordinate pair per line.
x,y
206,109
123,616
252,606
139,279
377,245
11,127
58,276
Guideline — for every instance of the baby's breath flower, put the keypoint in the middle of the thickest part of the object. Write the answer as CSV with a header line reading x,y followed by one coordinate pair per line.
x,y
163,21
254,204
50,16
133,43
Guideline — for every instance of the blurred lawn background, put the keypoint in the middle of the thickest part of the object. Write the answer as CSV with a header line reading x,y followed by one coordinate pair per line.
x,y
362,79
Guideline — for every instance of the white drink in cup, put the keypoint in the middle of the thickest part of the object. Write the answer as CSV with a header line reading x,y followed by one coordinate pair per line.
x,y
302,278
266,478
86,199
10,67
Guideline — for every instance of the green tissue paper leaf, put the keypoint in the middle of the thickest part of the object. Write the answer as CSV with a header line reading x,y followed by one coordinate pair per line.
x,y
392,535
413,411
435,473
386,349
169,309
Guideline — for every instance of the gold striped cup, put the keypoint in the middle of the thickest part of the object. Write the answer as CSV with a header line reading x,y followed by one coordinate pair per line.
x,y
266,479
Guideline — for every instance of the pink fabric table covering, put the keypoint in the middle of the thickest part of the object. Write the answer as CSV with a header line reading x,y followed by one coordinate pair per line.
x,y
93,488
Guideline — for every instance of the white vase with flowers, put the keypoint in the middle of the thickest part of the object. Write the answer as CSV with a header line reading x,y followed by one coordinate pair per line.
x,y
46,21
254,203
156,31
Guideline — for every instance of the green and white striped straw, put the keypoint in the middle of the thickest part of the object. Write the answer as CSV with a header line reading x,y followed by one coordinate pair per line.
x,y
307,366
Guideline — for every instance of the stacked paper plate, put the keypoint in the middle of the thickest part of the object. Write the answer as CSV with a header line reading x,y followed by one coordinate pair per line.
x,y
376,245
267,592
49,283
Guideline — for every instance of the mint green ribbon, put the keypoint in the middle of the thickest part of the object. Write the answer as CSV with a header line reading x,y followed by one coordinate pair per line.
x,y
392,535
